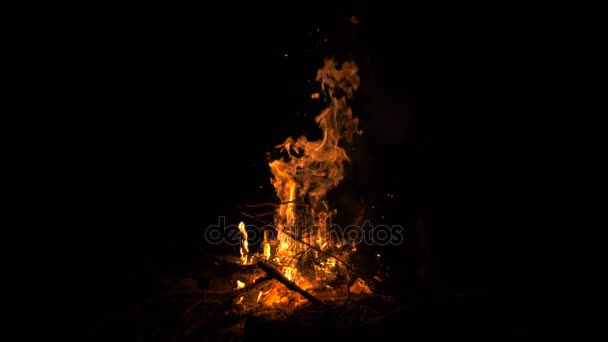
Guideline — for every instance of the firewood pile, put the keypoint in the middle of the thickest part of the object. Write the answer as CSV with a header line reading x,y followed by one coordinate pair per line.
x,y
207,302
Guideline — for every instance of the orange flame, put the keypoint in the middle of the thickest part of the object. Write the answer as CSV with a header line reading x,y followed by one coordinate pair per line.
x,y
311,168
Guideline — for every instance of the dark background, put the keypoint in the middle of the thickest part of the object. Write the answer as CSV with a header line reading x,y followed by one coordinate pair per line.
x,y
156,120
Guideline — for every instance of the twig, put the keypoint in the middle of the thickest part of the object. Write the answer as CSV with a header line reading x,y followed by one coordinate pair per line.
x,y
230,263
272,272
266,204
268,223
224,297
265,214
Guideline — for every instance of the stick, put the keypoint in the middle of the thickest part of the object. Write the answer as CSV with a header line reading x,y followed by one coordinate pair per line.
x,y
273,273
266,222
266,204
224,297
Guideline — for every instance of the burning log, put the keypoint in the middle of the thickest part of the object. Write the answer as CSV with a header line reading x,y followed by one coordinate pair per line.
x,y
273,273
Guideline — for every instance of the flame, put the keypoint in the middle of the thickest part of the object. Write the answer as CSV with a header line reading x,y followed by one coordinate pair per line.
x,y
360,287
244,244
266,251
262,293
301,179
289,273
239,284
308,171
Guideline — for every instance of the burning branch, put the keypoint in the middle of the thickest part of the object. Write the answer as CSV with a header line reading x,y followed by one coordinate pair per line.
x,y
273,273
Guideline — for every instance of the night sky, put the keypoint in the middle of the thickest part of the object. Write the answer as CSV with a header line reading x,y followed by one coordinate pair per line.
x,y
157,121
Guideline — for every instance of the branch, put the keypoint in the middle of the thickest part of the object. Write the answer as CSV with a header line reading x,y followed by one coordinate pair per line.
x,y
265,222
273,273
266,204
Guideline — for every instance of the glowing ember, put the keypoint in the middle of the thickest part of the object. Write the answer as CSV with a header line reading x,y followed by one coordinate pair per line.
x,y
239,284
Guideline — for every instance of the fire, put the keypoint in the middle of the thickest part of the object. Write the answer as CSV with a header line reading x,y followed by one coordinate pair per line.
x,y
266,249
289,271
244,243
262,294
303,177
302,250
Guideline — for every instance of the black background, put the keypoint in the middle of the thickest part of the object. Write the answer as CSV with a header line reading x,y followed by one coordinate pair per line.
x,y
156,120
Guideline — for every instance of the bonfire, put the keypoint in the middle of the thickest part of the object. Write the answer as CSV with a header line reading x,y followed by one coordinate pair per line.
x,y
301,267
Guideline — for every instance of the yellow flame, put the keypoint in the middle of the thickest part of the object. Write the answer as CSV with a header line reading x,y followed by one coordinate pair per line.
x,y
239,284
267,251
289,273
291,215
262,293
245,244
